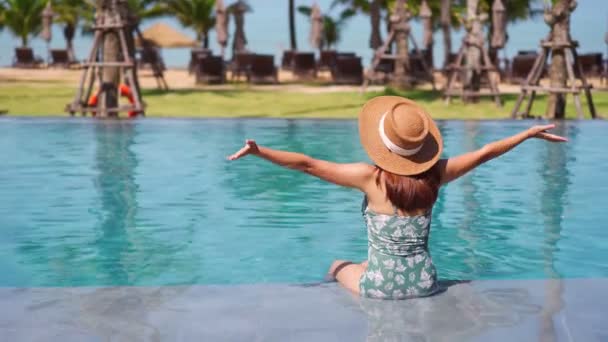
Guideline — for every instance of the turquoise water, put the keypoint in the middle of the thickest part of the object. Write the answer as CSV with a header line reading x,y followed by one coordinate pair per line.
x,y
153,202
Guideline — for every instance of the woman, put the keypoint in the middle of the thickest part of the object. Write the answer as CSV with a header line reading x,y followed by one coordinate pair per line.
x,y
400,189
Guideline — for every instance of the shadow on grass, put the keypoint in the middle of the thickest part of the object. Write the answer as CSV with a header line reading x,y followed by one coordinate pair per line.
x,y
321,109
185,92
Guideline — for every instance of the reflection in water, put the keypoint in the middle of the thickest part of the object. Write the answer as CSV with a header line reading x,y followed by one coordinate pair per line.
x,y
555,178
115,182
459,314
471,203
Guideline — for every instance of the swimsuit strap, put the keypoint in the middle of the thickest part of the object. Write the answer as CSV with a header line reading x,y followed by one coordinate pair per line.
x,y
364,206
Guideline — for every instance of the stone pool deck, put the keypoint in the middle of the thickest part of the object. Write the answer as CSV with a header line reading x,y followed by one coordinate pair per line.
x,y
527,310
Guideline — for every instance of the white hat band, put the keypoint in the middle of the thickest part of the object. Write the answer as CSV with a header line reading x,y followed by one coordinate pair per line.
x,y
392,146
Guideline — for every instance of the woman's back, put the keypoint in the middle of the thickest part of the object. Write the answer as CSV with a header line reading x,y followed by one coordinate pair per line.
x,y
400,265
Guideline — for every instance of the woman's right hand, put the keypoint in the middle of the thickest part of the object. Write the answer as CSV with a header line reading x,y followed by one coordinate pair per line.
x,y
540,132
250,148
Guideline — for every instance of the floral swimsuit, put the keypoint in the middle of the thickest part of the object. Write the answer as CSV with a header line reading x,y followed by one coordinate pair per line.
x,y
399,264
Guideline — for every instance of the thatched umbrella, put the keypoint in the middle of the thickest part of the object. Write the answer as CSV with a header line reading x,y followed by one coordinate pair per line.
x,y
221,25
316,27
165,36
47,23
499,23
239,42
427,24
446,8
375,38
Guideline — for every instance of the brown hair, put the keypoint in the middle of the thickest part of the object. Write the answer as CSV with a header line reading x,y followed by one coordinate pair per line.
x,y
411,193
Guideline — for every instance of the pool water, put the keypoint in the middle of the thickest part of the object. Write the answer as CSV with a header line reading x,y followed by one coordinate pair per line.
x,y
154,202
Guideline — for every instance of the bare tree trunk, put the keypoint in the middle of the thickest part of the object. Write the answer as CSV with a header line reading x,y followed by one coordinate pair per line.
x,y
132,27
559,20
292,26
475,39
427,22
401,26
68,32
375,39
446,8
108,98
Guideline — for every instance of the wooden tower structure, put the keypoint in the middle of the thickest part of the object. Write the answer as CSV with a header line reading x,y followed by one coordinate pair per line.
x,y
562,50
473,67
107,67
400,31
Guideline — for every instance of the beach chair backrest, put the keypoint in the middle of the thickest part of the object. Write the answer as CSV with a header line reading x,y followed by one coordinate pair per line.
x,y
287,60
243,60
349,65
212,65
386,65
591,63
522,64
59,56
304,61
24,55
327,58
263,65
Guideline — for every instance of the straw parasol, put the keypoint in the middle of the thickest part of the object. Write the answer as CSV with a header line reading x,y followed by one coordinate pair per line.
x,y
163,35
426,14
316,27
375,39
47,23
221,25
239,42
499,23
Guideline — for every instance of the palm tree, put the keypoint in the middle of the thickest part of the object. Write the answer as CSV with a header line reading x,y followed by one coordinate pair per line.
x,y
23,17
110,77
1,16
69,13
558,18
332,27
374,9
292,26
146,9
196,14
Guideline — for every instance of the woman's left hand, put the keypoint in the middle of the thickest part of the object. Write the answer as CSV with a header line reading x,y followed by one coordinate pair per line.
x,y
250,148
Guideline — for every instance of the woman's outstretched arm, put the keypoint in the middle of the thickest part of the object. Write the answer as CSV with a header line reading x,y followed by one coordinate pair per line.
x,y
356,175
453,168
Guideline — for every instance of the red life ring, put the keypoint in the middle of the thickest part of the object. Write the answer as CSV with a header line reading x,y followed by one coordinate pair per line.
x,y
124,90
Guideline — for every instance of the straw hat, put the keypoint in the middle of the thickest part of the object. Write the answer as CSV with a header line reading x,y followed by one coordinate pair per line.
x,y
399,135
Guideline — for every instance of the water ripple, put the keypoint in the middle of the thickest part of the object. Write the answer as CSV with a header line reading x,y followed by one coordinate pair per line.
x,y
154,202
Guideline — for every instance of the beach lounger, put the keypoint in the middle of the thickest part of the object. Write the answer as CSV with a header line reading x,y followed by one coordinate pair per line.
x,y
386,65
241,63
592,64
24,58
195,56
262,70
348,70
521,66
287,60
304,65
210,70
327,59
149,57
346,54
61,58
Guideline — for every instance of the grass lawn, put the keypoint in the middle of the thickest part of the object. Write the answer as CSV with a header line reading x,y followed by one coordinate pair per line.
x,y
45,98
